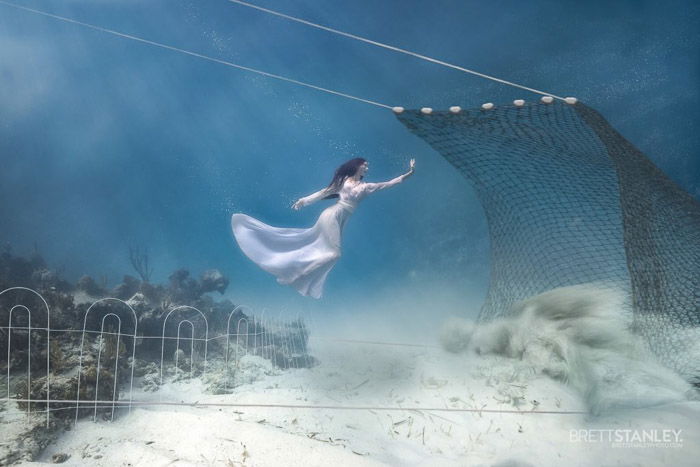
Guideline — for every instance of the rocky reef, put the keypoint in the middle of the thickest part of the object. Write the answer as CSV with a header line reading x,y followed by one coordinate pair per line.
x,y
100,342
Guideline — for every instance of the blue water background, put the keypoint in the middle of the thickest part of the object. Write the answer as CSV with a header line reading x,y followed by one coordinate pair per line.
x,y
105,142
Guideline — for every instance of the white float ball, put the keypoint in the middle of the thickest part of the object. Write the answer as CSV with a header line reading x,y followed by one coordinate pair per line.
x,y
487,106
519,102
397,110
547,99
570,100
426,110
455,109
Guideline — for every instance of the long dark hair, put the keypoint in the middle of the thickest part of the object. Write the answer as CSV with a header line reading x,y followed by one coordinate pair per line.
x,y
342,173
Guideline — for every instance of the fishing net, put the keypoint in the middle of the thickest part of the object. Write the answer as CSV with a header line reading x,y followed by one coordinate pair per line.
x,y
569,201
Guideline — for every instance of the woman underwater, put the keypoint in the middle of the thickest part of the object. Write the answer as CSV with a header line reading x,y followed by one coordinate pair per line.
x,y
303,258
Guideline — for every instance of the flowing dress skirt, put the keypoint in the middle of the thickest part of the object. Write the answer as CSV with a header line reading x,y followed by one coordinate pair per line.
x,y
301,258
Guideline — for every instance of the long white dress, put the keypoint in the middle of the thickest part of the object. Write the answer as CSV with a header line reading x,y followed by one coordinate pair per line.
x,y
303,258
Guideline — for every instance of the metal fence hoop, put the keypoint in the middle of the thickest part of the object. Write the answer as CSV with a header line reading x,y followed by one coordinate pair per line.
x,y
206,336
48,345
82,344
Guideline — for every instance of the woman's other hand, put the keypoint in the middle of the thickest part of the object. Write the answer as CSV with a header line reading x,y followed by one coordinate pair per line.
x,y
298,204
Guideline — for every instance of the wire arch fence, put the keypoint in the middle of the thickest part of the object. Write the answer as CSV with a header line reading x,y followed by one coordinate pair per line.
x,y
113,351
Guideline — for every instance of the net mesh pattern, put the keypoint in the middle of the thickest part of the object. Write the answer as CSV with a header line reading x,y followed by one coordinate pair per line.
x,y
569,201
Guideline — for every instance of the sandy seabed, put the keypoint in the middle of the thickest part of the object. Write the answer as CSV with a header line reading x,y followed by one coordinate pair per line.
x,y
370,375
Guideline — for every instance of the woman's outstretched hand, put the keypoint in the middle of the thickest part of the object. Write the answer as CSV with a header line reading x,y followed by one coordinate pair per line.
x,y
411,169
298,205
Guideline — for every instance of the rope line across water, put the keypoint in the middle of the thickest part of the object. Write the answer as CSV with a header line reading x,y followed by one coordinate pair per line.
x,y
393,48
192,54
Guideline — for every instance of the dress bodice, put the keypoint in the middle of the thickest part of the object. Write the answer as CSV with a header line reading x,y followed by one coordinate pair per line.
x,y
351,193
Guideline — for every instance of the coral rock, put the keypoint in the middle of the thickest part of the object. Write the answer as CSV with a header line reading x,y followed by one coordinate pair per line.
x,y
213,280
88,285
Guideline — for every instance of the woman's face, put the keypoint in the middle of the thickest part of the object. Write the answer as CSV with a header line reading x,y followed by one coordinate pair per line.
x,y
362,170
